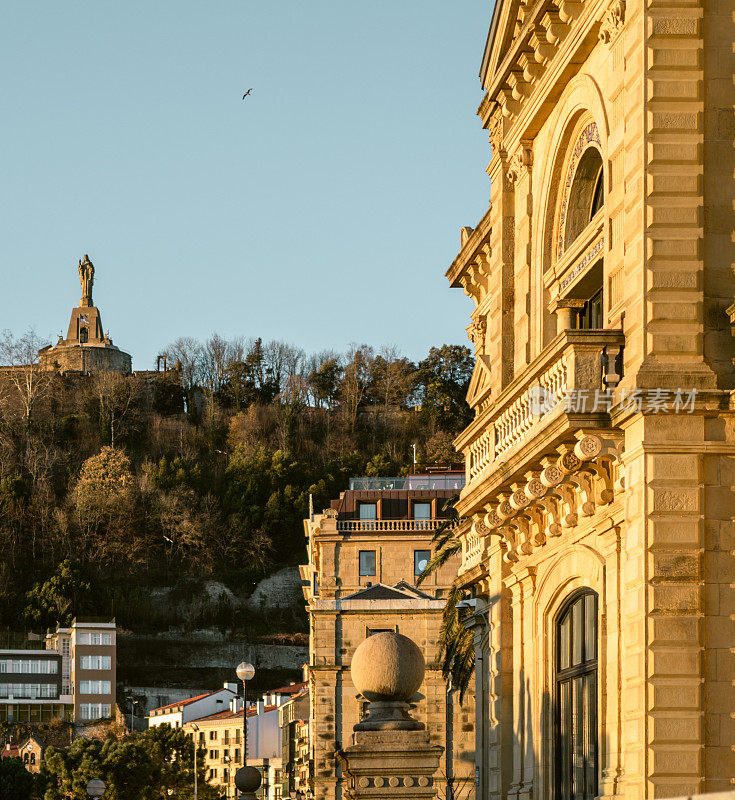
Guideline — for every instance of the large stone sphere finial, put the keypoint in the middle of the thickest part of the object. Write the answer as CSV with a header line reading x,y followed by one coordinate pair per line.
x,y
247,781
387,669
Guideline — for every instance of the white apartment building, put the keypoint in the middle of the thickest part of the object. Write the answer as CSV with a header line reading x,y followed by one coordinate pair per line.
x,y
204,705
70,674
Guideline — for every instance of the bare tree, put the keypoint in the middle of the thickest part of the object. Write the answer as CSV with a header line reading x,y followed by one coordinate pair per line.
x,y
187,352
358,375
282,361
28,382
216,355
393,376
117,395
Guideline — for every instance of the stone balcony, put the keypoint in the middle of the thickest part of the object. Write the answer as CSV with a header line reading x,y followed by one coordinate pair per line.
x,y
389,525
539,411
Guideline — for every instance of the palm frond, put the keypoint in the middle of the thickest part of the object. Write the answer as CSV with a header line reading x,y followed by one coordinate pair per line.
x,y
456,642
439,559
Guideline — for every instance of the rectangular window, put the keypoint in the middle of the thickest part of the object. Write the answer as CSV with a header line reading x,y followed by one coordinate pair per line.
x,y
367,562
420,560
94,687
89,711
95,638
421,510
96,662
373,631
368,511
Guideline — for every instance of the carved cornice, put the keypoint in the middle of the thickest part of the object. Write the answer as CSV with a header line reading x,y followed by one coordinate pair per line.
x,y
550,500
542,29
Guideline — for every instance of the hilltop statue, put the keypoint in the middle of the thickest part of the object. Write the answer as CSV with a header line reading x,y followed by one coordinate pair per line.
x,y
86,279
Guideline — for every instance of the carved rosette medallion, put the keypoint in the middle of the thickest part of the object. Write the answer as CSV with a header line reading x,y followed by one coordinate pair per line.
x,y
613,21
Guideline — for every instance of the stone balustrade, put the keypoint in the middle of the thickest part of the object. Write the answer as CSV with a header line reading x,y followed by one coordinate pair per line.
x,y
388,525
578,363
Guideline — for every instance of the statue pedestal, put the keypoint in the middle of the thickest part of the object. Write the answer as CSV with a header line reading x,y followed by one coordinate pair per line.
x,y
390,764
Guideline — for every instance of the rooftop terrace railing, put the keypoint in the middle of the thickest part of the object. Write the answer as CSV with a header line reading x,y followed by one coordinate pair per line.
x,y
410,482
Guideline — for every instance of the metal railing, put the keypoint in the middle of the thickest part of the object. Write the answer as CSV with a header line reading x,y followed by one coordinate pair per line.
x,y
410,482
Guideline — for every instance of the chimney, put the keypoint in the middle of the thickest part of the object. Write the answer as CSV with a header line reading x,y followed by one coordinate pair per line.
x,y
231,686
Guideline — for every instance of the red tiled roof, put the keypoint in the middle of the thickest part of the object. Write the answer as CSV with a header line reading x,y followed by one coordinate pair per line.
x,y
252,711
187,701
10,752
294,688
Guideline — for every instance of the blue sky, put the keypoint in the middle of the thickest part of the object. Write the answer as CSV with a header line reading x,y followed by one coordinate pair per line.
x,y
322,210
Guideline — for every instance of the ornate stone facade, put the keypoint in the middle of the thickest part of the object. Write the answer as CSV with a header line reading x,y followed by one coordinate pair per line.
x,y
345,607
600,465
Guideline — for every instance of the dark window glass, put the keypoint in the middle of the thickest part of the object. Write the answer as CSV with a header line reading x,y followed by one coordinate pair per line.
x,y
420,560
591,315
576,699
367,562
598,198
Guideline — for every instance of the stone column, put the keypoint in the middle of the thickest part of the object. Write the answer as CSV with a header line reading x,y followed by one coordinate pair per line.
x,y
391,757
565,310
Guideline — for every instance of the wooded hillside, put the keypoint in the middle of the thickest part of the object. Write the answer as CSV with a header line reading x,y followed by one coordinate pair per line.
x,y
111,485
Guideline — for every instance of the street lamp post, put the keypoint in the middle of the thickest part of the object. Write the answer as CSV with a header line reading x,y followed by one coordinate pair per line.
x,y
195,730
228,761
132,715
245,672
95,787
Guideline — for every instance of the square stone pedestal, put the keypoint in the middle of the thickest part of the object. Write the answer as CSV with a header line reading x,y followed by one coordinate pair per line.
x,y
391,764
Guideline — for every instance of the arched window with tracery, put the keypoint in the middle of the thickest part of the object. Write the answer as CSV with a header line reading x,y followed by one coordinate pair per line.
x,y
586,195
575,700
580,237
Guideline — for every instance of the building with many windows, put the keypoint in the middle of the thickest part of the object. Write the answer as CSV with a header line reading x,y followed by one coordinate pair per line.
x,y
192,708
70,675
365,553
295,756
88,662
600,465
220,736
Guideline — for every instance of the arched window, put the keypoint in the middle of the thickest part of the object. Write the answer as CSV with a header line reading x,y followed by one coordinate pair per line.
x,y
575,718
586,194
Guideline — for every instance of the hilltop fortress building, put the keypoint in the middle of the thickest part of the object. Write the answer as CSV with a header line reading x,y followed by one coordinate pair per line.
x,y
86,347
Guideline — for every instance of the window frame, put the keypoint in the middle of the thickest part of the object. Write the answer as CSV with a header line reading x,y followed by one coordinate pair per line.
x,y
415,562
375,563
567,675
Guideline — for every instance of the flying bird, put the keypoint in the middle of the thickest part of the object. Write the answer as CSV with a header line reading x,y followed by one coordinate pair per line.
x,y
246,93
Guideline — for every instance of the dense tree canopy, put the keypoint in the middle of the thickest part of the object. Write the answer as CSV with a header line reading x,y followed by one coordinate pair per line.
x,y
138,767
119,483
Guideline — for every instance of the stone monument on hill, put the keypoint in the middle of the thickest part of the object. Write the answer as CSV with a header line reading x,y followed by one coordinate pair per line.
x,y
86,347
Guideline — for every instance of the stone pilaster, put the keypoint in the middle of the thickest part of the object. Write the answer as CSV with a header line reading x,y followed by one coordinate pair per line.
x,y
610,654
521,584
500,318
